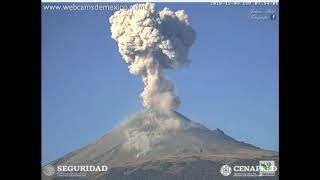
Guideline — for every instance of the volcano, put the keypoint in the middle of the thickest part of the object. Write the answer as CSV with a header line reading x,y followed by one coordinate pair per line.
x,y
155,145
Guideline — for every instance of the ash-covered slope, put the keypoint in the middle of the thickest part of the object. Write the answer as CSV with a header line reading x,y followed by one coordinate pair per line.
x,y
152,139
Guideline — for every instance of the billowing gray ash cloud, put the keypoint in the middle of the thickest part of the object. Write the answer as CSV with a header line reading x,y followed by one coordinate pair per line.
x,y
151,41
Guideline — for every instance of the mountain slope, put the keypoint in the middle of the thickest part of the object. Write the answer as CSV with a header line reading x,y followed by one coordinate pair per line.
x,y
165,145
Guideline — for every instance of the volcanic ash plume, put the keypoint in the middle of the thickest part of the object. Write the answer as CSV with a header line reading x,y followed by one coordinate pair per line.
x,y
150,41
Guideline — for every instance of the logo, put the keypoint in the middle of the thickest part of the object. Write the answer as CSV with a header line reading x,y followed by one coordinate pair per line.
x,y
264,168
48,170
262,14
267,168
226,170
74,170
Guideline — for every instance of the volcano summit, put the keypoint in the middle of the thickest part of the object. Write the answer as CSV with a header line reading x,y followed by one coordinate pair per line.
x,y
163,145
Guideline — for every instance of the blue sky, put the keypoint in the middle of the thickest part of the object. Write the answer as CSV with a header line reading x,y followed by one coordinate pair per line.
x,y
231,84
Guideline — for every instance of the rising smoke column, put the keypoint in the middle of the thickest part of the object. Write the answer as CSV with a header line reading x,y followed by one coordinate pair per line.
x,y
151,41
